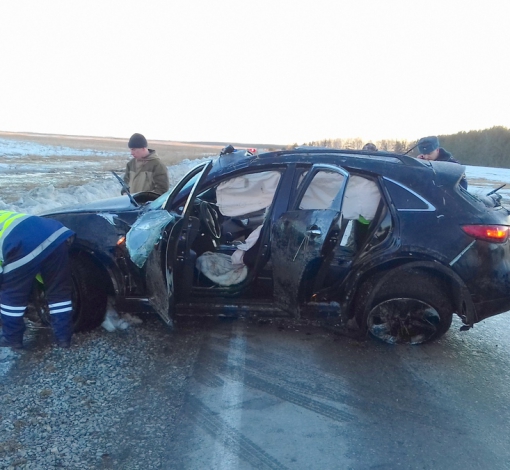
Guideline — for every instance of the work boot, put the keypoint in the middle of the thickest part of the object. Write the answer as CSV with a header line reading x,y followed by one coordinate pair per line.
x,y
12,331
62,324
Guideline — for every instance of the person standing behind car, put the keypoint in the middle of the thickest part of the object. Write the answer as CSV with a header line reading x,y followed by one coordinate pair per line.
x,y
430,150
145,172
32,245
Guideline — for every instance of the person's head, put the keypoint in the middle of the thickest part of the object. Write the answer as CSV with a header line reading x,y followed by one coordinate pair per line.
x,y
370,147
138,145
429,147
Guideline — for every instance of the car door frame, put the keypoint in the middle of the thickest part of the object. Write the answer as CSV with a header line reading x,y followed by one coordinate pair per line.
x,y
166,265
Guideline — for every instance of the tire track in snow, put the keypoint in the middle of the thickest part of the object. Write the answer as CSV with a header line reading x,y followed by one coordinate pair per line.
x,y
231,440
226,457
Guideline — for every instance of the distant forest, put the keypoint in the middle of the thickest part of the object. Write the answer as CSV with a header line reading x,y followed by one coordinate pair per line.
x,y
488,147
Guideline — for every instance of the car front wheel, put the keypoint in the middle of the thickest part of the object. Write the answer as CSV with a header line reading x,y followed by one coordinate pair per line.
x,y
89,296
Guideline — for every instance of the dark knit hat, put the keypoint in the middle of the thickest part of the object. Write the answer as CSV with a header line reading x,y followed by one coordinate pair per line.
x,y
370,147
137,141
427,145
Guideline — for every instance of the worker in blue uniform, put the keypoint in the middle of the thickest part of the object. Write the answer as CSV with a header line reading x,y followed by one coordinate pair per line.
x,y
32,245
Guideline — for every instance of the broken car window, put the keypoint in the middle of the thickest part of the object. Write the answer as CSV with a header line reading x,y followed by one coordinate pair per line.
x,y
145,233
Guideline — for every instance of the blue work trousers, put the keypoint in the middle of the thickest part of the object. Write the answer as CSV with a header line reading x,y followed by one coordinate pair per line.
x,y
17,285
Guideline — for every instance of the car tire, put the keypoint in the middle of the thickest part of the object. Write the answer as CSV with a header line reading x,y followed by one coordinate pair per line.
x,y
414,310
89,296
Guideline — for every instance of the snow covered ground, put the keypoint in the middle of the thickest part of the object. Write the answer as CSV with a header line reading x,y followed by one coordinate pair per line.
x,y
35,177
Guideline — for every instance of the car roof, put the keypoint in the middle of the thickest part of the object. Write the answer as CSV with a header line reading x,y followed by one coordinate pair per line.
x,y
384,163
419,175
348,157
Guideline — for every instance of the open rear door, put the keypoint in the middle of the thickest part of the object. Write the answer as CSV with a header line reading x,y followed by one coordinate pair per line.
x,y
161,266
303,237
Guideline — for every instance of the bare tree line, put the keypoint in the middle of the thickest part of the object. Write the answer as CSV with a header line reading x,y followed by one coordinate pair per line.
x,y
487,147
387,145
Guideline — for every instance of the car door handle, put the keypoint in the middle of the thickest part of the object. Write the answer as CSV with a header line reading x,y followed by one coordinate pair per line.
x,y
313,232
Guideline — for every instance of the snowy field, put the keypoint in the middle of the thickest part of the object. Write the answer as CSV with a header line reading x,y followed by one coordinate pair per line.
x,y
35,177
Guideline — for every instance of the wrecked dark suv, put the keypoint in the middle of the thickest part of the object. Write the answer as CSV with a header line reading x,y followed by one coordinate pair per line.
x,y
369,242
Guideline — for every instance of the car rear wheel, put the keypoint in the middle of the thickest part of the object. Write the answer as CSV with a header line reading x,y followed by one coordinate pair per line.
x,y
89,296
412,312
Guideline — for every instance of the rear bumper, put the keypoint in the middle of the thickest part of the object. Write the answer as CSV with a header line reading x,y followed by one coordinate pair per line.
x,y
491,307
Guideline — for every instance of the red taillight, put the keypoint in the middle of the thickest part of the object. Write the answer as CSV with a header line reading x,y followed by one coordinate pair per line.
x,y
488,233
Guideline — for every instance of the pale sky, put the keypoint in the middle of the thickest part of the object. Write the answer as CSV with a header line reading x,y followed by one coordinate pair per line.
x,y
261,71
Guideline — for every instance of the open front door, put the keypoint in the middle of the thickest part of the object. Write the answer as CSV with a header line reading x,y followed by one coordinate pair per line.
x,y
173,248
160,284
303,237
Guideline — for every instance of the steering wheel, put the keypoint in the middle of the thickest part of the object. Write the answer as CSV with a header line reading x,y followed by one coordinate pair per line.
x,y
210,219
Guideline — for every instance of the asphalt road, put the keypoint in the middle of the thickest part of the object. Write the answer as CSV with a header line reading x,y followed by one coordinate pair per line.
x,y
303,398
266,395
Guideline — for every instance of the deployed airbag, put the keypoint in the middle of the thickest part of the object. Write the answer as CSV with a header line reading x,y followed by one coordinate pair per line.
x,y
218,268
247,193
361,197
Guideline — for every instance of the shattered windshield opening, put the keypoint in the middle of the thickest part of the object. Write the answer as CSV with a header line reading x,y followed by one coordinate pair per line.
x,y
183,187
159,202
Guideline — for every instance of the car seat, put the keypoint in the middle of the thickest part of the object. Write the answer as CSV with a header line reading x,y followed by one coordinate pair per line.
x,y
227,270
